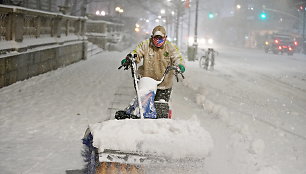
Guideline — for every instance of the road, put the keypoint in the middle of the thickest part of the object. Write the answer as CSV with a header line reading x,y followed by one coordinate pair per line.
x,y
254,107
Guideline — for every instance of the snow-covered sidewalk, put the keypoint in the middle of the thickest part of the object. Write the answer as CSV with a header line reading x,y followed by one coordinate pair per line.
x,y
252,104
43,119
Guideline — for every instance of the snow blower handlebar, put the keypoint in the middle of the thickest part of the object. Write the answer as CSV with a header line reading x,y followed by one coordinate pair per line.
x,y
176,72
127,62
130,59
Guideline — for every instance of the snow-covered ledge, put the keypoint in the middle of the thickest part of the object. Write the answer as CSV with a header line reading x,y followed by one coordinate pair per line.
x,y
33,42
28,28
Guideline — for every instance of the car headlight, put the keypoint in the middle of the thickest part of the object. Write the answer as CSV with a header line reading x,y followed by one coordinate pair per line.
x,y
210,41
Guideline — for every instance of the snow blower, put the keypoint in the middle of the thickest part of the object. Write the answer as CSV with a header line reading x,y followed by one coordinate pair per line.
x,y
136,140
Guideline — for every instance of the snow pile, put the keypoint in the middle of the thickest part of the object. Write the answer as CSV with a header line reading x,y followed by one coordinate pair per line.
x,y
176,139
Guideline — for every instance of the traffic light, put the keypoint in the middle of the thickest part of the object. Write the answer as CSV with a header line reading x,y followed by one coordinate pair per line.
x,y
211,15
263,16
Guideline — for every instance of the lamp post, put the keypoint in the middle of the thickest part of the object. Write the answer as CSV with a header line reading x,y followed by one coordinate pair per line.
x,y
195,43
304,39
84,8
192,50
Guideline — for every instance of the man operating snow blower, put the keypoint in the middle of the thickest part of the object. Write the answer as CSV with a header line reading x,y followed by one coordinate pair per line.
x,y
156,54
140,145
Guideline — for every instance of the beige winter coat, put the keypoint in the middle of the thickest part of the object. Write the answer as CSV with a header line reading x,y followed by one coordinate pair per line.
x,y
155,61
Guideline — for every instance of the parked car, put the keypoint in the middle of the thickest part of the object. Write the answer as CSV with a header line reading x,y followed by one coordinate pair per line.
x,y
280,43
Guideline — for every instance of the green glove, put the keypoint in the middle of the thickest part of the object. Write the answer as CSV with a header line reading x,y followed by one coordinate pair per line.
x,y
127,60
123,61
182,67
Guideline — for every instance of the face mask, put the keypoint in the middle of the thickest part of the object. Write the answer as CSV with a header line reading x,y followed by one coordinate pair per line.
x,y
159,41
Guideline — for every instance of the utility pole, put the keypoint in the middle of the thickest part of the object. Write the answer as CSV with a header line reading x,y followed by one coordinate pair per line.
x,y
304,41
188,27
195,43
177,24
192,50
84,8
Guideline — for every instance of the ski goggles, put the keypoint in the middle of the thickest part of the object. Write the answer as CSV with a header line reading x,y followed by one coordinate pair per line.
x,y
159,41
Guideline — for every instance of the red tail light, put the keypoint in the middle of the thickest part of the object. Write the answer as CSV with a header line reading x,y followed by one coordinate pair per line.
x,y
276,41
170,114
296,43
290,49
279,47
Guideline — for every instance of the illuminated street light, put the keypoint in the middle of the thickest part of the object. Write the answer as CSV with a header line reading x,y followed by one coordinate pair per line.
x,y
137,25
210,41
156,20
117,9
147,20
172,13
164,20
162,11
238,6
137,29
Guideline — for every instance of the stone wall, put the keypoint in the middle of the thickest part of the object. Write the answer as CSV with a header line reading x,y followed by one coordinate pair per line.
x,y
22,66
33,42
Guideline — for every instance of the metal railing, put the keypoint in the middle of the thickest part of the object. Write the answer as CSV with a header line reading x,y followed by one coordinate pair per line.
x,y
29,28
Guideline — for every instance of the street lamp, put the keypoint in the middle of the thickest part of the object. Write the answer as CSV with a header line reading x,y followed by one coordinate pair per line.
x,y
117,9
102,13
238,6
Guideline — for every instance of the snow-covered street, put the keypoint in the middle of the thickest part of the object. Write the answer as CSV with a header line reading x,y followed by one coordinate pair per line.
x,y
252,104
